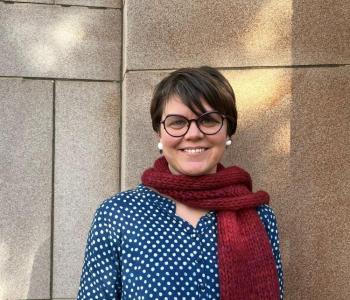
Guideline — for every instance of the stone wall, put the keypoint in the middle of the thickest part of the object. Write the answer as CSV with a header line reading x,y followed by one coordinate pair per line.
x,y
60,74
75,84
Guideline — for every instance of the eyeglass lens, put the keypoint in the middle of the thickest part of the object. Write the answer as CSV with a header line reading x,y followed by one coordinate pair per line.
x,y
208,123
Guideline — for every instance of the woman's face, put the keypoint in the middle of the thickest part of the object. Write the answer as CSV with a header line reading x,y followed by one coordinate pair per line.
x,y
194,153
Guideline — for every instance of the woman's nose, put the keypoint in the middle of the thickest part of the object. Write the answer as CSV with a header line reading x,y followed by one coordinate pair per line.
x,y
193,130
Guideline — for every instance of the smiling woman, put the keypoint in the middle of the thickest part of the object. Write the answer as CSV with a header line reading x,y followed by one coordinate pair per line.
x,y
193,229
193,152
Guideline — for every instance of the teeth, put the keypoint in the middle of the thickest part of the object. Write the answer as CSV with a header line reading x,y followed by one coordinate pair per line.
x,y
197,150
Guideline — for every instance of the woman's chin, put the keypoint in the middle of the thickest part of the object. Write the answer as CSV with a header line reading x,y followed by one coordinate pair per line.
x,y
195,169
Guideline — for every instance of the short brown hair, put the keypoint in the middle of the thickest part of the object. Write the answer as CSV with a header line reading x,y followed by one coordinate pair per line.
x,y
191,85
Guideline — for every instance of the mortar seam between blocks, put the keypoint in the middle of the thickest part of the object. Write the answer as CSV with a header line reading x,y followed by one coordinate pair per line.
x,y
248,67
121,99
53,186
58,4
58,79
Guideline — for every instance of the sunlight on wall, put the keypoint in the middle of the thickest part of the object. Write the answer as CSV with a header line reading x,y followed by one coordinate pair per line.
x,y
281,139
46,56
258,88
68,33
268,90
272,30
63,37
262,94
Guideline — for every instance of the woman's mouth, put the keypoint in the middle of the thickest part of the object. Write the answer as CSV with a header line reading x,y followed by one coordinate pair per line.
x,y
193,150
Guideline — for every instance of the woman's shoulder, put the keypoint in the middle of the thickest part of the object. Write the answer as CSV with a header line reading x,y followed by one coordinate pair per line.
x,y
120,199
123,202
266,212
268,218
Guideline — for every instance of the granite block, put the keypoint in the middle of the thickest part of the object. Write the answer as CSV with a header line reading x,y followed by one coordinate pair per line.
x,y
139,142
321,32
97,3
25,188
320,143
86,171
220,33
235,33
60,42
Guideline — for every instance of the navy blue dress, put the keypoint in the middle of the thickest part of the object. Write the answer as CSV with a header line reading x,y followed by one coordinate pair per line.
x,y
139,249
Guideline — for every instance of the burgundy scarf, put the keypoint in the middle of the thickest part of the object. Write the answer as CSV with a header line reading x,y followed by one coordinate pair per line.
x,y
247,269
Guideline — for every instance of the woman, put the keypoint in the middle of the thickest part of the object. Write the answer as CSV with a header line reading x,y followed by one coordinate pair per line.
x,y
193,229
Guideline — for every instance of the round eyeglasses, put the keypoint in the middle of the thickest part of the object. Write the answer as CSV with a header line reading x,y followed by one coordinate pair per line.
x,y
208,123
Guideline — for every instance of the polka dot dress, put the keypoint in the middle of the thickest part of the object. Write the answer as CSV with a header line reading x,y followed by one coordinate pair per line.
x,y
139,249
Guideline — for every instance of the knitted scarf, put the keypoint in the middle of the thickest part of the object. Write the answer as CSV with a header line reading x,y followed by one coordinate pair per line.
x,y
247,269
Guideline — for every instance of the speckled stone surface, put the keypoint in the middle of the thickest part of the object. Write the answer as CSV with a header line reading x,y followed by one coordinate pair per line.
x,y
139,142
319,218
86,171
321,32
262,141
97,3
25,188
235,33
60,42
217,33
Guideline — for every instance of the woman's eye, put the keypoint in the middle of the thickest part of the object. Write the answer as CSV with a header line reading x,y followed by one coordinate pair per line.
x,y
177,123
209,121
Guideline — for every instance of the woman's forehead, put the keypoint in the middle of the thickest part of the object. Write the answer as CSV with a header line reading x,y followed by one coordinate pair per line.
x,y
176,105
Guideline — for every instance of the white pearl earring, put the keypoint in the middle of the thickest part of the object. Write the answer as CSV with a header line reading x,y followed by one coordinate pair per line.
x,y
160,146
228,142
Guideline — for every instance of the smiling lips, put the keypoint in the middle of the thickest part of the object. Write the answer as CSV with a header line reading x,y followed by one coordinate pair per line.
x,y
193,150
